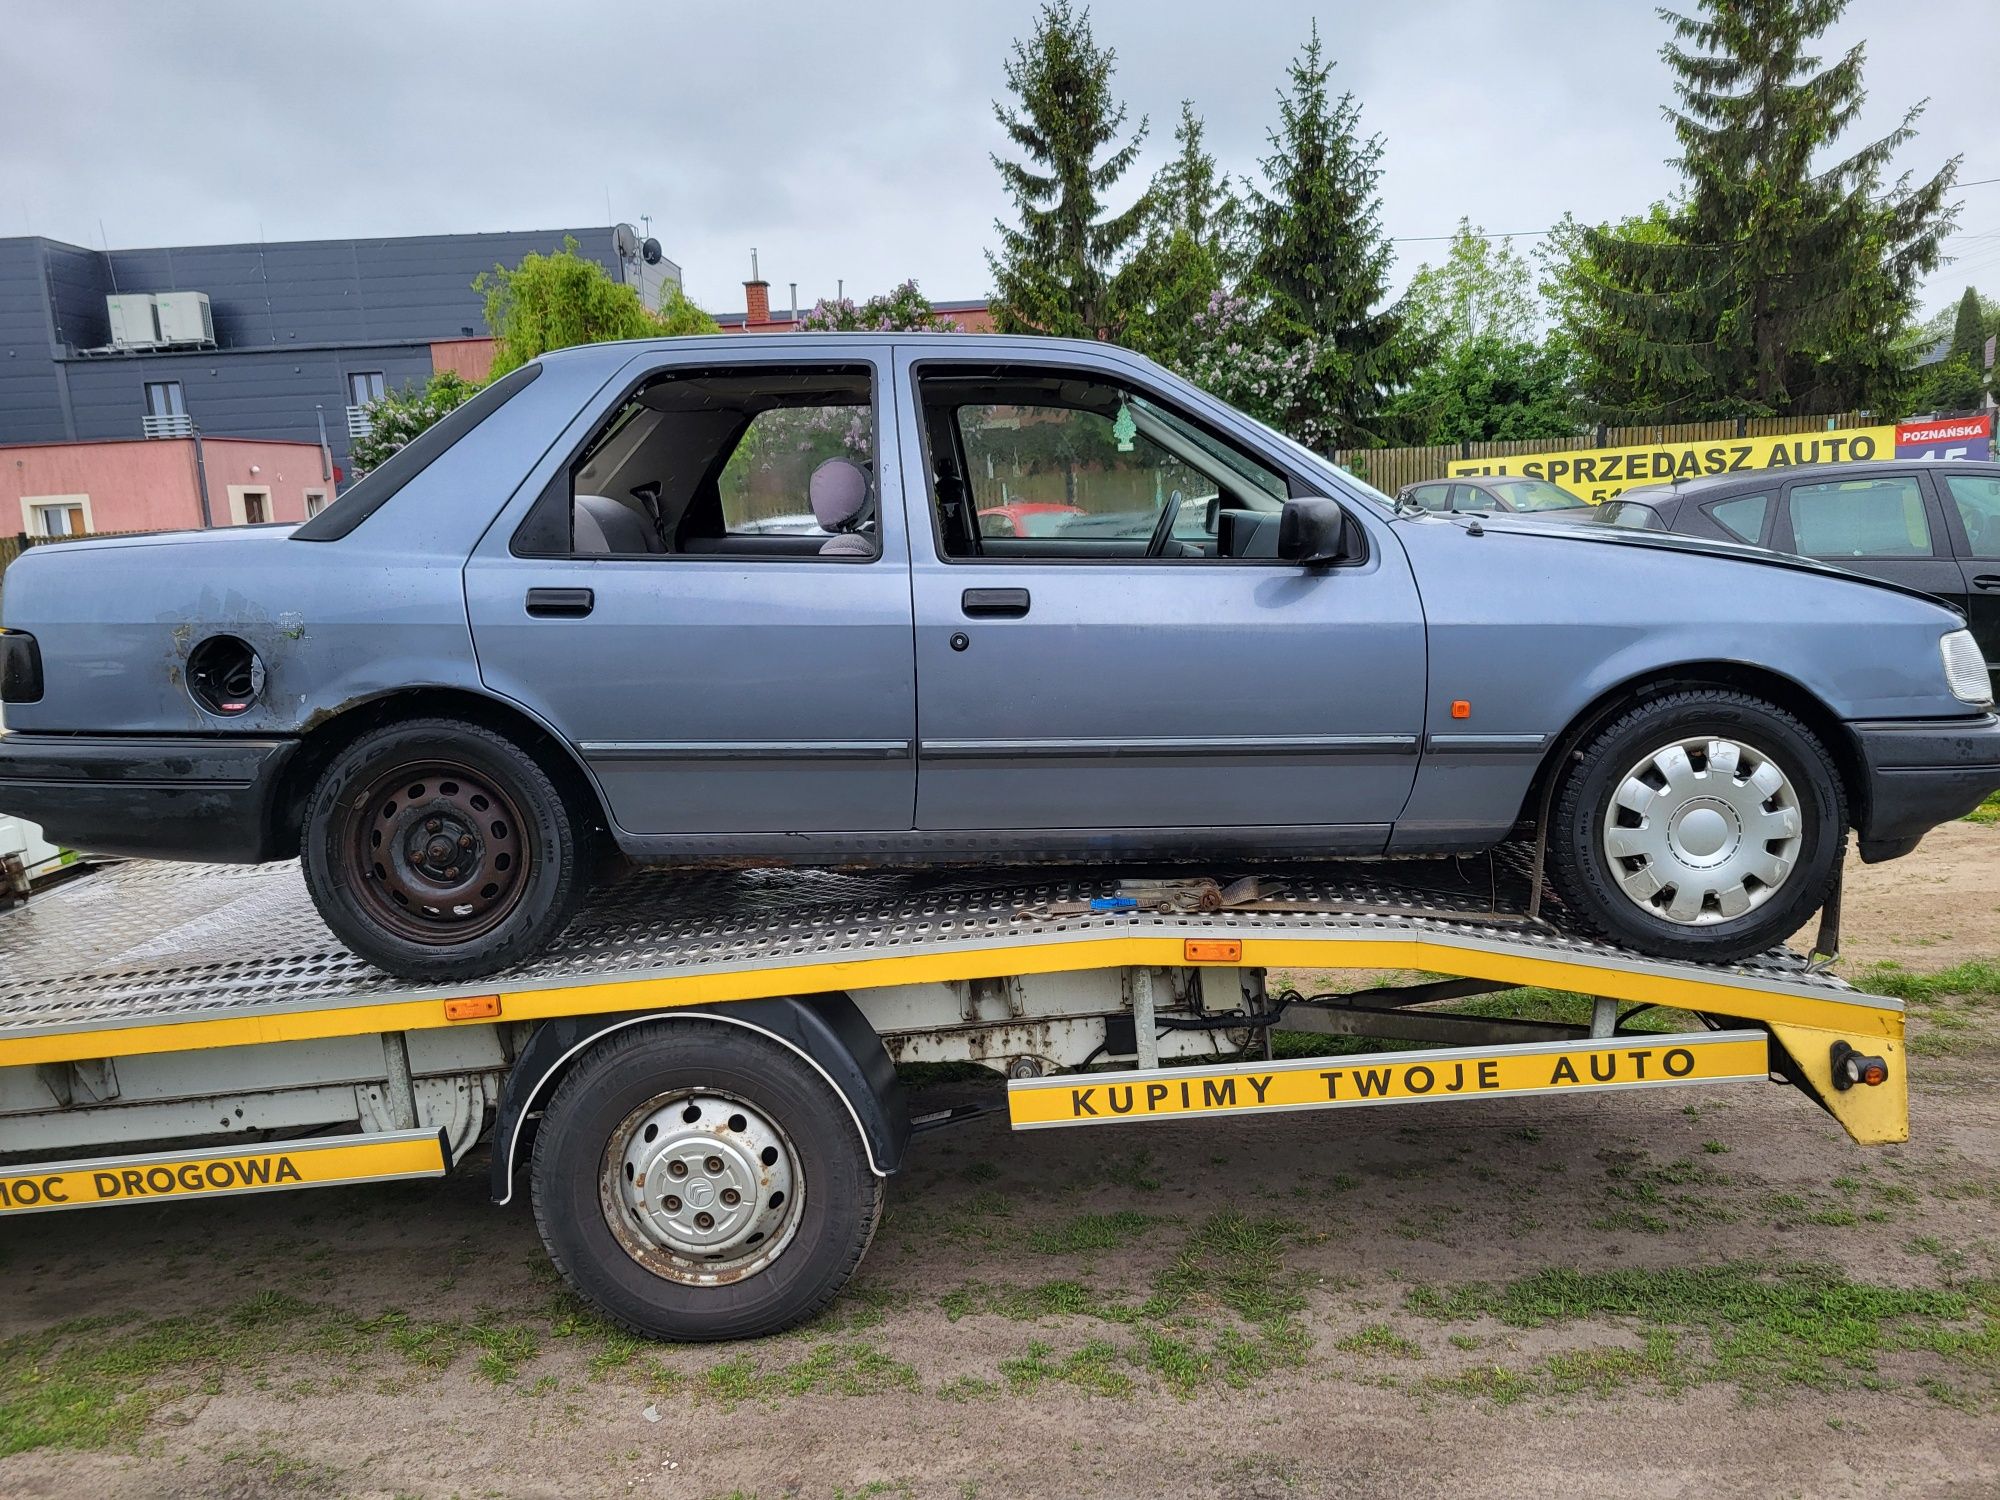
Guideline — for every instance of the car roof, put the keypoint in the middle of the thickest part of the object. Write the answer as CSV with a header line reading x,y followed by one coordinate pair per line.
x,y
1710,484
995,345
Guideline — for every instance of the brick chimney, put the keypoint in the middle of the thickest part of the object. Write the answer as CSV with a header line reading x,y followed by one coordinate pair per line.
x,y
756,296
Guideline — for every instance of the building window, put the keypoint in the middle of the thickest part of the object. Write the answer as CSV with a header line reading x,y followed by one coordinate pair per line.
x,y
363,387
315,503
166,410
249,505
56,515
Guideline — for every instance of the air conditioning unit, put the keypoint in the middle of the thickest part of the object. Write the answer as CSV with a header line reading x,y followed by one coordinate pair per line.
x,y
135,321
184,318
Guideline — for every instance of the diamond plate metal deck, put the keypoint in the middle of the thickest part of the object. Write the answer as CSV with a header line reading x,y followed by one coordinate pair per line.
x,y
149,943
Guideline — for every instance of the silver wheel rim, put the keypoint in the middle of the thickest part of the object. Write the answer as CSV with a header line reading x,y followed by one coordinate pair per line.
x,y
1702,830
701,1188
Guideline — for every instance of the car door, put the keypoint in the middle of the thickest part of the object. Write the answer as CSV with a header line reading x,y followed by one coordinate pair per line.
x,y
1077,682
1972,511
1885,525
725,675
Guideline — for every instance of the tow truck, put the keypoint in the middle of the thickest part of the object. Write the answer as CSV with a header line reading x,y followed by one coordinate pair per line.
x,y
698,1087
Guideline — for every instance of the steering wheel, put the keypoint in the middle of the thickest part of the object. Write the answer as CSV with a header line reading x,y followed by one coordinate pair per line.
x,y
1163,529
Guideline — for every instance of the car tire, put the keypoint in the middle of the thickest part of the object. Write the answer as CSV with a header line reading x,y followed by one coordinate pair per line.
x,y
1702,824
691,1096
440,850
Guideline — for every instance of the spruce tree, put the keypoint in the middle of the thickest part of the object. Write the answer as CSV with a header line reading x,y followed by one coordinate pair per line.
x,y
1968,330
1320,265
1056,271
1782,278
1188,253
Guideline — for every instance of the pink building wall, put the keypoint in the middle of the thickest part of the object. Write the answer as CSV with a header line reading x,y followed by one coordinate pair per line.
x,y
150,484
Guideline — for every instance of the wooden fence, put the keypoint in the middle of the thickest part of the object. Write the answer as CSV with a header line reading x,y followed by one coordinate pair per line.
x,y
1389,469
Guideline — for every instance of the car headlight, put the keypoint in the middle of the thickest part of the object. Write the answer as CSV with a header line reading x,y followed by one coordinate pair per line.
x,y
1965,668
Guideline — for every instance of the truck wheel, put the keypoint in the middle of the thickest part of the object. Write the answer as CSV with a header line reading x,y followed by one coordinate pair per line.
x,y
697,1180
1703,825
439,850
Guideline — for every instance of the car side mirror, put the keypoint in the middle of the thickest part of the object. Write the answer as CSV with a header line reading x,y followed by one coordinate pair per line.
x,y
1309,531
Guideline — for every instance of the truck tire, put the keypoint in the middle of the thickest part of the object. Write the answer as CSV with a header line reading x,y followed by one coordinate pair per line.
x,y
696,1180
440,851
1705,824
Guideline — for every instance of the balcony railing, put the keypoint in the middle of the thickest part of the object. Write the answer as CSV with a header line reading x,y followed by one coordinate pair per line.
x,y
172,425
359,423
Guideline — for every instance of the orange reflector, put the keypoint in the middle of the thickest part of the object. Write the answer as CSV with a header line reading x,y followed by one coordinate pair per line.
x,y
472,1008
1214,950
1461,708
1874,1072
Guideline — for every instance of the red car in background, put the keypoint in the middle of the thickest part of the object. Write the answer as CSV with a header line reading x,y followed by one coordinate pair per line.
x,y
1027,518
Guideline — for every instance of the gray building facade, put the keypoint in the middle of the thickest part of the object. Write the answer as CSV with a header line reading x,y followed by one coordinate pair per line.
x,y
304,330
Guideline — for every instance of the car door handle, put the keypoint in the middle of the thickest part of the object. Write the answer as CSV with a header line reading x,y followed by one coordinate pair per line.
x,y
994,603
561,604
1986,581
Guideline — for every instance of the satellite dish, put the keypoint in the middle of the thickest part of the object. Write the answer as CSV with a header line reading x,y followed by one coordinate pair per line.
x,y
650,251
626,239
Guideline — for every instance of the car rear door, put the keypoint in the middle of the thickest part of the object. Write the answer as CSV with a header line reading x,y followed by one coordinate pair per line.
x,y
1972,511
1886,525
1074,684
758,687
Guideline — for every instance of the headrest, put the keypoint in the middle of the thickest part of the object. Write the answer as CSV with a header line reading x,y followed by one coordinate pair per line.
x,y
838,490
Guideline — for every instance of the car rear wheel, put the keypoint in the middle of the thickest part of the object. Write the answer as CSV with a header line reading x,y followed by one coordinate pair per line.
x,y
1701,825
439,850
696,1180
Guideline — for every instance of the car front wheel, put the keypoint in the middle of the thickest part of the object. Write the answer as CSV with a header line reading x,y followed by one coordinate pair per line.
x,y
439,850
1701,825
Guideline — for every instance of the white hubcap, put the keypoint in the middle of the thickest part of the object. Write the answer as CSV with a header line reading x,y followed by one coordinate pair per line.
x,y
1702,830
702,1188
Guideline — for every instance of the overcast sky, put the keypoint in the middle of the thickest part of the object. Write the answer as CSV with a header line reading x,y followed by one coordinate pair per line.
x,y
848,140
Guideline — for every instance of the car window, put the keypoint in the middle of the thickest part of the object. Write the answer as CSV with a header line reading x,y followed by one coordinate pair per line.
x,y
1977,497
766,485
1845,518
1535,494
1628,515
1053,464
739,461
1466,497
1433,497
1742,516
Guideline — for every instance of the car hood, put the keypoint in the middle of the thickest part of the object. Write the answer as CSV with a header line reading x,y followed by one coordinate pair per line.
x,y
1669,541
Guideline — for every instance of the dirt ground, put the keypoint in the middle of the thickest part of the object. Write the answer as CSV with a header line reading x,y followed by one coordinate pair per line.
x,y
1663,1293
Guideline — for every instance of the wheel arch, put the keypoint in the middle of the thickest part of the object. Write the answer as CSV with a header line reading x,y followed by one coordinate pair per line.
x,y
1774,687
828,1031
330,733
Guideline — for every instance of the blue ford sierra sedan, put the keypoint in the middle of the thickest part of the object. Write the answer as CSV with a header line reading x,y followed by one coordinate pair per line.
x,y
583,616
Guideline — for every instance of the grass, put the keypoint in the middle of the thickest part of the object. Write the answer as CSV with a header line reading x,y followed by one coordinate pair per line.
x,y
1093,1368
1088,1232
1988,812
1379,1341
834,1367
1977,978
1764,1328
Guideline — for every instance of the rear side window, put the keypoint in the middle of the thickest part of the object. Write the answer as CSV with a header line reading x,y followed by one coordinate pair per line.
x,y
1977,497
1845,518
1742,517
406,463
1432,496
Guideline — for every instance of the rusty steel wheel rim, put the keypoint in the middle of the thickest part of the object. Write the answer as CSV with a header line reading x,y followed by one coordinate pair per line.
x,y
440,852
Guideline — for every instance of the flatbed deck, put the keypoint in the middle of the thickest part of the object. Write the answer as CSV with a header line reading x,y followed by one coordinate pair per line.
x,y
143,957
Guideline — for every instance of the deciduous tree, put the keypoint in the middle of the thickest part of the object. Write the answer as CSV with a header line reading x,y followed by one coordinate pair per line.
x,y
562,299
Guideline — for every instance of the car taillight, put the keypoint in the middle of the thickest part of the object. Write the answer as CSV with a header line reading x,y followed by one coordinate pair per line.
x,y
20,668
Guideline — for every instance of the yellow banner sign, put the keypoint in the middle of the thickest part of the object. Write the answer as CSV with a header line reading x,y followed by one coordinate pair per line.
x,y
252,1169
1390,1078
1596,474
